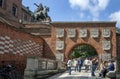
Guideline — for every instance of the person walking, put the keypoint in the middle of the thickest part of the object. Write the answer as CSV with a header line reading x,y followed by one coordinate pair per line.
x,y
80,62
69,65
87,64
75,64
93,66
96,63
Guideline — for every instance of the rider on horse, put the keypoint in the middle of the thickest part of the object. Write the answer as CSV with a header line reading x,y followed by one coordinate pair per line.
x,y
40,13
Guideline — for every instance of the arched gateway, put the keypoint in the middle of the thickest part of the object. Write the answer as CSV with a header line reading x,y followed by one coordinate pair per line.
x,y
83,50
66,35
62,37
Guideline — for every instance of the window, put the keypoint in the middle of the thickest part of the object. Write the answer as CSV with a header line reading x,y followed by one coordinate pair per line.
x,y
1,3
14,10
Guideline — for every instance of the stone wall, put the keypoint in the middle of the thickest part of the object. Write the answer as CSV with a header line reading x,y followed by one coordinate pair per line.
x,y
42,68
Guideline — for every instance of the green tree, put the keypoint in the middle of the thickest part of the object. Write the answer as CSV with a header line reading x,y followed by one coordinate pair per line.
x,y
75,54
83,51
118,30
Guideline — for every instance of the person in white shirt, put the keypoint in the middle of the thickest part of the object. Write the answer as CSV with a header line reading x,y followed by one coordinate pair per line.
x,y
69,65
75,64
87,64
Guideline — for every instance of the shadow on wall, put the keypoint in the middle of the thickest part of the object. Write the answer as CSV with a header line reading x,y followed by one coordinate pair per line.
x,y
17,61
47,52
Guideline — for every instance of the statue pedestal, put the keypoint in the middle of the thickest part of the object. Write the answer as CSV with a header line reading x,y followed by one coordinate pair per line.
x,y
37,28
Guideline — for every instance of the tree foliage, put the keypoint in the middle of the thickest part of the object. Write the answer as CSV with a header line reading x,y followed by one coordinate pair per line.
x,y
117,30
83,51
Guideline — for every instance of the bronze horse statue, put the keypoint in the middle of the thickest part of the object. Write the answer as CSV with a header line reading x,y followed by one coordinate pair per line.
x,y
41,15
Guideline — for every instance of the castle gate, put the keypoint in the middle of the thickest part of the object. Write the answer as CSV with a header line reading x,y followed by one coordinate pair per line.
x,y
100,35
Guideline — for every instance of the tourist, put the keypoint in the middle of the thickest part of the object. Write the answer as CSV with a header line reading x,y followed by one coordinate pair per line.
x,y
75,64
94,66
111,66
69,65
96,63
87,64
80,62
103,69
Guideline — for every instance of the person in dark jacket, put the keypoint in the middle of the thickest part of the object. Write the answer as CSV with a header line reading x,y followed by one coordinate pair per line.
x,y
111,66
80,62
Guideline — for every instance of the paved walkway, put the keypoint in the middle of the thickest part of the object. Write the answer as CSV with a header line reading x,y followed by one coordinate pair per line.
x,y
76,75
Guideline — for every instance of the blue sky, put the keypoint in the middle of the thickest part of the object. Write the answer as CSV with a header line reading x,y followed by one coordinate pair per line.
x,y
80,10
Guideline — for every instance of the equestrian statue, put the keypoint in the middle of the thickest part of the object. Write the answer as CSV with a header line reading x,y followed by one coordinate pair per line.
x,y
40,14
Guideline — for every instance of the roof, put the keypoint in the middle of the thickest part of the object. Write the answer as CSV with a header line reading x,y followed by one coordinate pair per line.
x,y
84,22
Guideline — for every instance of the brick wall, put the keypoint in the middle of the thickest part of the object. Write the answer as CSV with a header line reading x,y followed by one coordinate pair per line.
x,y
7,9
22,11
19,61
44,30
71,43
16,45
48,51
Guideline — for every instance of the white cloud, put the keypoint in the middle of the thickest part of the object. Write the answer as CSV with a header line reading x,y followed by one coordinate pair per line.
x,y
83,4
103,4
115,17
93,6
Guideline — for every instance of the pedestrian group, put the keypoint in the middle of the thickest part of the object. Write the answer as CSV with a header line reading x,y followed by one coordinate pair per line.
x,y
91,64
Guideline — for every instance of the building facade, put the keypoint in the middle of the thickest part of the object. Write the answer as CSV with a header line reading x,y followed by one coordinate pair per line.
x,y
17,45
54,40
14,11
62,37
67,35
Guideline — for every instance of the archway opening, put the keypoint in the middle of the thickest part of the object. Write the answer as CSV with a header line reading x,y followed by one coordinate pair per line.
x,y
83,50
